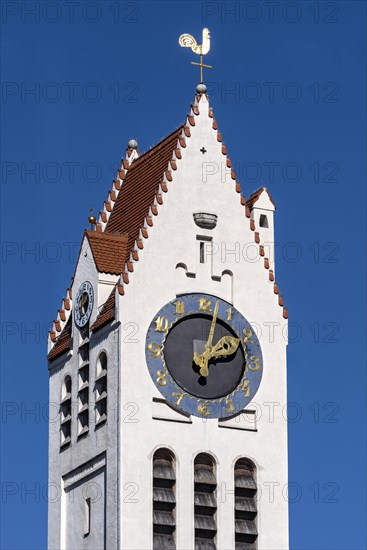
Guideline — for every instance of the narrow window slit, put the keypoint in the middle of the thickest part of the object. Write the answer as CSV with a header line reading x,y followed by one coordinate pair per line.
x,y
202,251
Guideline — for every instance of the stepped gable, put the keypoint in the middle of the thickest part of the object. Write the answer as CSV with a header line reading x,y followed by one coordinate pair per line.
x,y
62,344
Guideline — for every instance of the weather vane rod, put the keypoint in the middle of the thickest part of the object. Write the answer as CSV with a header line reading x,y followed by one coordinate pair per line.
x,y
188,41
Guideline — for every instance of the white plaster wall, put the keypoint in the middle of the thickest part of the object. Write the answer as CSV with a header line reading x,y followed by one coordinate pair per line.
x,y
63,532
154,282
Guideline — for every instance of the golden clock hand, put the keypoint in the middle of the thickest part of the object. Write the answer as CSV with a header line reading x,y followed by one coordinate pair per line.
x,y
225,346
205,356
83,303
212,326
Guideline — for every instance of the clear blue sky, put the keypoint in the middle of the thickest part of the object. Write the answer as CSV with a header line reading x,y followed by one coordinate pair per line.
x,y
103,72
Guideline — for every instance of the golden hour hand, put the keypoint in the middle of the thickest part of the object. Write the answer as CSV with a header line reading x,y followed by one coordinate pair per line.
x,y
225,346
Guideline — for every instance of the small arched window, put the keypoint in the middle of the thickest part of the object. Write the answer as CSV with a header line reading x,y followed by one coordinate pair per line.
x,y
164,500
65,412
101,389
245,504
205,500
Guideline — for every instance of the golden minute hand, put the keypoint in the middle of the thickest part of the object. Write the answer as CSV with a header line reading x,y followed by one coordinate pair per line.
x,y
212,326
203,359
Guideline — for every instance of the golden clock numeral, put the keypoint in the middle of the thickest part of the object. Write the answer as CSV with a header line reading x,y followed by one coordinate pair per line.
x,y
161,324
154,349
179,395
204,304
248,333
161,378
229,314
230,406
246,387
179,307
203,409
256,360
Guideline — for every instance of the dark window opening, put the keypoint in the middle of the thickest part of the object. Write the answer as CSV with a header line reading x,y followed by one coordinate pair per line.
x,y
101,389
202,251
65,411
264,221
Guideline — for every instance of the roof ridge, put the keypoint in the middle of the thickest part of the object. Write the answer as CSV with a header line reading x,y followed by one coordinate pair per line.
x,y
158,143
103,235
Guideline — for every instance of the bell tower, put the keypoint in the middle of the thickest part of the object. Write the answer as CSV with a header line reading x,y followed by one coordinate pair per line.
x,y
168,383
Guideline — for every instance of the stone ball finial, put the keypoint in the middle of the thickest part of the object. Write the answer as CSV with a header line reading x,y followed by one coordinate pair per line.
x,y
132,144
201,88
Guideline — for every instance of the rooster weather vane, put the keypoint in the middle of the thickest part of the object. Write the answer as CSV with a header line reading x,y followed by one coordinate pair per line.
x,y
188,41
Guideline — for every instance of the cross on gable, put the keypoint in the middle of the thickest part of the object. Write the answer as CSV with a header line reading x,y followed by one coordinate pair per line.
x,y
203,150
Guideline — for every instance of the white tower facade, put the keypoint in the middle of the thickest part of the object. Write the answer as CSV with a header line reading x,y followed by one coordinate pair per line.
x,y
142,455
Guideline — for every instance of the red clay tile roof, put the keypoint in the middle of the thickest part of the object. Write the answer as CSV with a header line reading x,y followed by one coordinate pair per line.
x,y
107,313
110,252
140,187
62,344
256,195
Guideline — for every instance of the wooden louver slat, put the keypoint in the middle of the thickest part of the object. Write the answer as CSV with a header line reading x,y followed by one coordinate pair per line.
x,y
245,505
205,500
164,500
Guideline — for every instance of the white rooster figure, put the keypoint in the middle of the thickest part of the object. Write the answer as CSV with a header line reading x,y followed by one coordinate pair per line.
x,y
188,41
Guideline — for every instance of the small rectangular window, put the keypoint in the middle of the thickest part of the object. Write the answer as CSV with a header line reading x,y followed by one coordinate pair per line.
x,y
264,221
204,247
87,511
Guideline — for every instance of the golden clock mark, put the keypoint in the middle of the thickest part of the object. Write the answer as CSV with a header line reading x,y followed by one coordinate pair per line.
x,y
203,409
204,305
256,361
161,324
179,395
155,349
246,387
248,333
161,378
230,406
229,314
179,307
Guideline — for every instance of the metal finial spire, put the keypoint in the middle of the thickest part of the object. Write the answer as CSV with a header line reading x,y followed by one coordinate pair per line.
x,y
92,220
188,41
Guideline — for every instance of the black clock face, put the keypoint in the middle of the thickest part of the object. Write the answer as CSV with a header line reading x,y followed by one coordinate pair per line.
x,y
190,335
83,304
203,356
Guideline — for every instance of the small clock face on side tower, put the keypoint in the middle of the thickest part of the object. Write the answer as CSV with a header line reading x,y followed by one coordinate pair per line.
x,y
204,356
83,304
